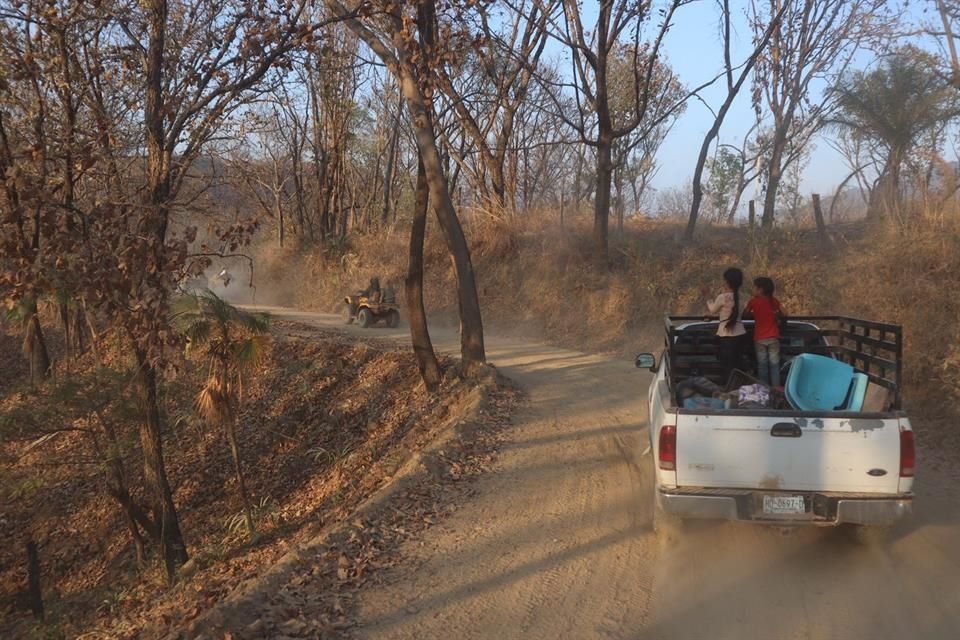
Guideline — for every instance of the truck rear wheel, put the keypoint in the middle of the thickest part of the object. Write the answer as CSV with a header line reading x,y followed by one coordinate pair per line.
x,y
365,317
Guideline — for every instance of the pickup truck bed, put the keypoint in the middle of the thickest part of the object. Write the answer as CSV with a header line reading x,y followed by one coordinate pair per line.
x,y
781,467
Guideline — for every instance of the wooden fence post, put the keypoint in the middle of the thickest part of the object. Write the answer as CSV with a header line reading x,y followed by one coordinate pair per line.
x,y
33,580
753,213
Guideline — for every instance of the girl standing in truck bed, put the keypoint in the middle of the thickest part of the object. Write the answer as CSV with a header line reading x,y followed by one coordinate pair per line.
x,y
730,331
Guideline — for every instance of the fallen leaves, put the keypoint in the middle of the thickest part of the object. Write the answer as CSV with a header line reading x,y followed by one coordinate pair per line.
x,y
361,403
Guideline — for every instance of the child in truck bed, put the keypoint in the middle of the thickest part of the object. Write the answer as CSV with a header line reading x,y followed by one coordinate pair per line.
x,y
730,330
767,313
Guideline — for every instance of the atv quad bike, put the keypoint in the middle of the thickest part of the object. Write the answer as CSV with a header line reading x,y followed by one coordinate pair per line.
x,y
367,311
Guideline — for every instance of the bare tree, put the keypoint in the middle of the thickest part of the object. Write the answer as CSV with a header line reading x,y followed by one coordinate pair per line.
x,y
947,34
332,80
735,79
618,26
486,103
154,86
390,167
814,40
268,165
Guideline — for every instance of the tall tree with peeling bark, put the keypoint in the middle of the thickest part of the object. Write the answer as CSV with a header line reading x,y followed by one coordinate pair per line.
x,y
404,35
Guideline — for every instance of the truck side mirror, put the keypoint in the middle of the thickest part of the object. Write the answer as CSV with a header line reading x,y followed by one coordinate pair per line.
x,y
646,361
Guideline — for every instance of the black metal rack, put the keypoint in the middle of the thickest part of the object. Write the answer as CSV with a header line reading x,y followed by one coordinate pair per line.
x,y
875,348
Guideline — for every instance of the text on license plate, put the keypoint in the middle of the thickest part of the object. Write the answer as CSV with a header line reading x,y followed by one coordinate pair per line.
x,y
783,504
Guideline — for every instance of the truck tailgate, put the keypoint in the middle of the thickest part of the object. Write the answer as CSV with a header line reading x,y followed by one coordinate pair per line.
x,y
787,452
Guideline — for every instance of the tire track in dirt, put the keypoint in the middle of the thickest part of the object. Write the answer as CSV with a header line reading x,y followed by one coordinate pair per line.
x,y
556,542
553,543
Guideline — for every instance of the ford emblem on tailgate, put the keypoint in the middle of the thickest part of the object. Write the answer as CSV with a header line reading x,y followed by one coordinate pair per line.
x,y
876,473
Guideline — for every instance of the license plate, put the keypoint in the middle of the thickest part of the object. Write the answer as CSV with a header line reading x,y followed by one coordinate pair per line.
x,y
783,504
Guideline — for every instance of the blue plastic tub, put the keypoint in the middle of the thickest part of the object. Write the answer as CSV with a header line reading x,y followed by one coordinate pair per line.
x,y
819,383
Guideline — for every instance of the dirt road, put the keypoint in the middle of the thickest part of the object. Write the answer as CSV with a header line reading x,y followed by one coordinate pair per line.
x,y
557,543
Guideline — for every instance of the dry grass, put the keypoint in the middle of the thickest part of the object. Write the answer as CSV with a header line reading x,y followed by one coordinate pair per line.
x,y
537,279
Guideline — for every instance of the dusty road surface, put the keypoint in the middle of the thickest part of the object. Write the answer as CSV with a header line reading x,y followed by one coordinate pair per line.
x,y
557,543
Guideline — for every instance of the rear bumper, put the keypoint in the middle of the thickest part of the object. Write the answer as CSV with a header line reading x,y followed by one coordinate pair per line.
x,y
824,509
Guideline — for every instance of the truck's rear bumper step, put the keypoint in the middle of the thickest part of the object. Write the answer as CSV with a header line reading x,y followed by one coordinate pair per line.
x,y
821,509
876,512
692,506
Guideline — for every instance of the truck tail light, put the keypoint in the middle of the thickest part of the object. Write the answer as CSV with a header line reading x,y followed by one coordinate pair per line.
x,y
908,454
667,451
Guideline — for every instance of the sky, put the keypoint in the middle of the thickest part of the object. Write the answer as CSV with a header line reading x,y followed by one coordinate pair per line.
x,y
694,49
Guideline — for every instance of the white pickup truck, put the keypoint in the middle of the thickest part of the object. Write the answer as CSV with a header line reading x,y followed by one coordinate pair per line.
x,y
781,466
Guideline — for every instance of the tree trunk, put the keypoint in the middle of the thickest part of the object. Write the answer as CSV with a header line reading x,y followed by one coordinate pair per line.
x,y
280,230
701,165
154,471
35,347
33,580
601,202
116,482
577,180
390,168
127,507
737,196
64,310
77,331
562,206
238,472
87,319
774,175
698,181
419,331
498,184
818,217
620,204
472,351
153,223
949,36
890,192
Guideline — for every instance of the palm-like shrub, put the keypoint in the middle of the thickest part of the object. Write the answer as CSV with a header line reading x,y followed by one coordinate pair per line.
x,y
893,107
232,342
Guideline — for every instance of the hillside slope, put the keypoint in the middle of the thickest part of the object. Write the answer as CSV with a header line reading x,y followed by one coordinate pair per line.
x,y
327,421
